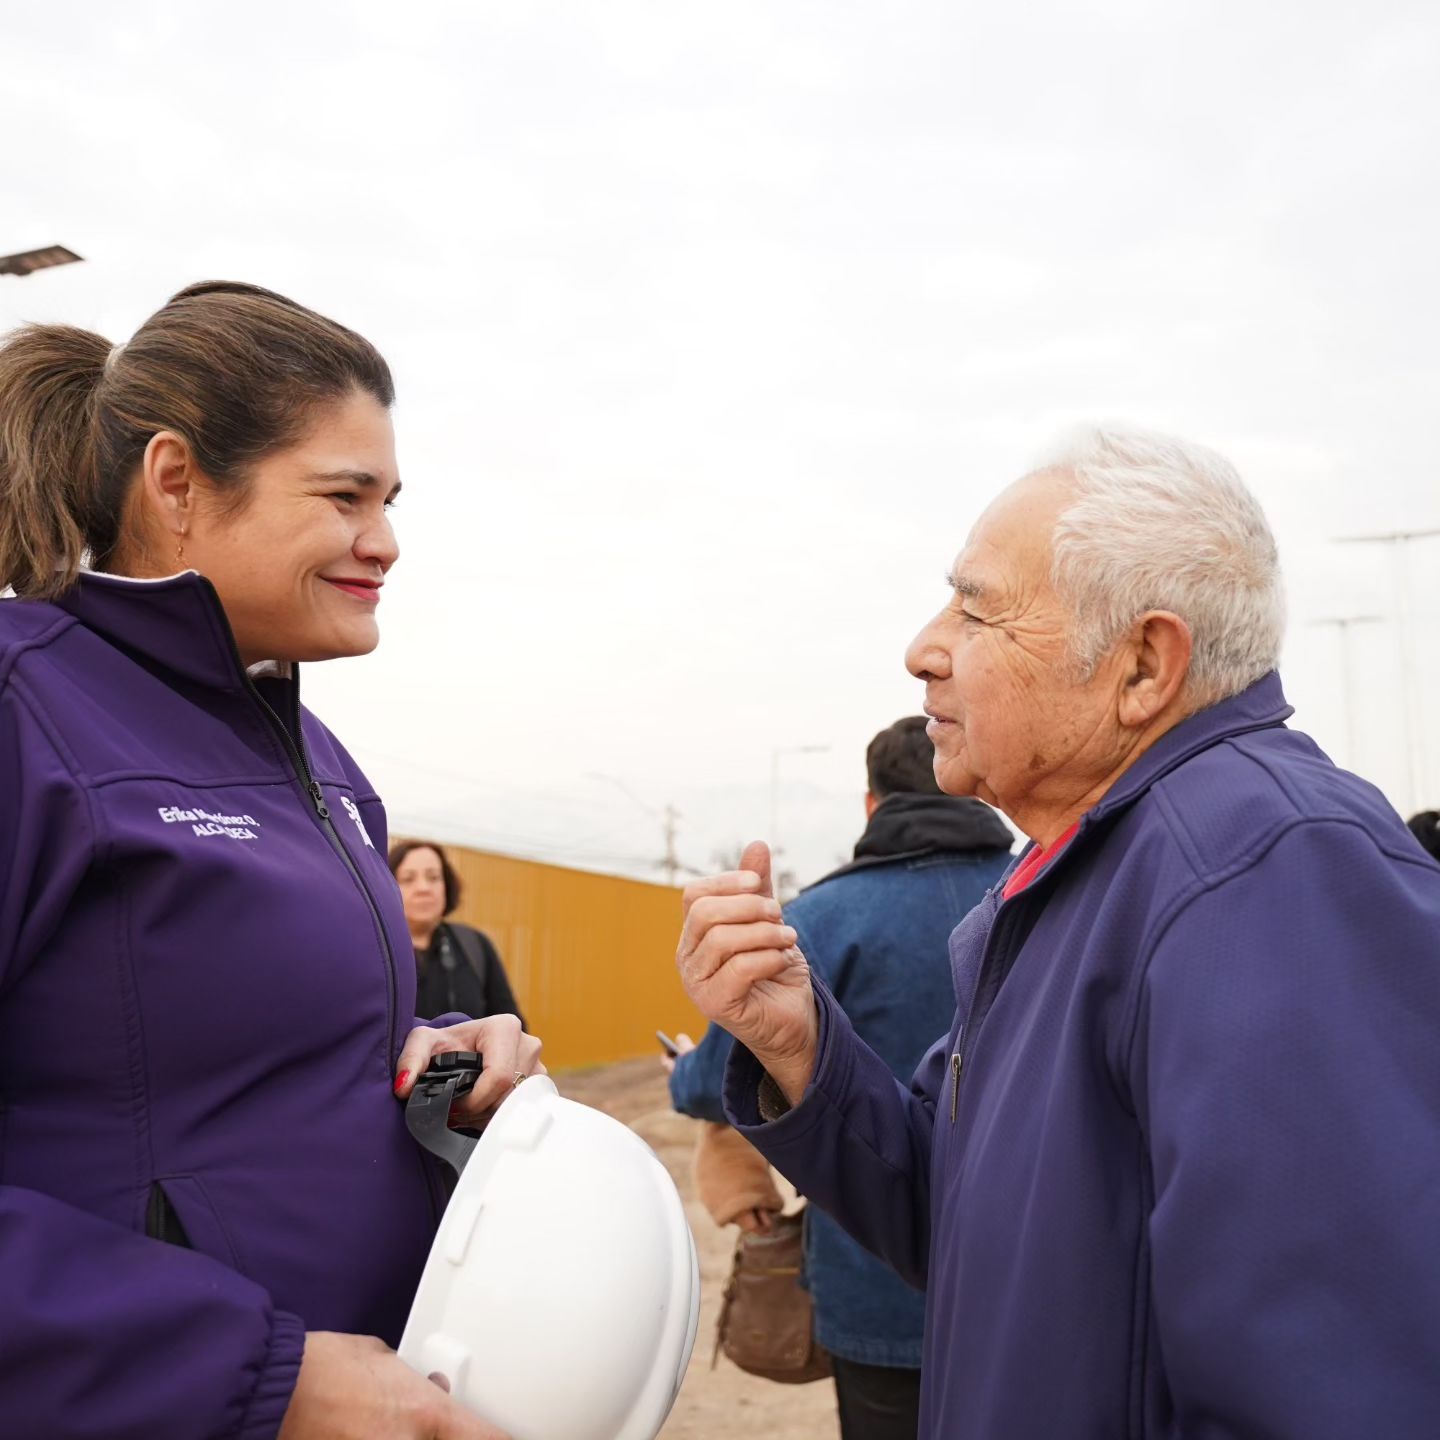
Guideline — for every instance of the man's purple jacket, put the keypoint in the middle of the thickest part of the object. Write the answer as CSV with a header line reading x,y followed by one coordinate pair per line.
x,y
205,978
1175,1171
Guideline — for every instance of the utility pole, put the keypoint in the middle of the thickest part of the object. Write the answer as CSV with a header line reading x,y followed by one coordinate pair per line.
x,y
1402,540
1343,625
669,819
671,862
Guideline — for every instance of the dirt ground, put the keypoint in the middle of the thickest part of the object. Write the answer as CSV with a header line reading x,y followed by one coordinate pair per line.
x,y
723,1402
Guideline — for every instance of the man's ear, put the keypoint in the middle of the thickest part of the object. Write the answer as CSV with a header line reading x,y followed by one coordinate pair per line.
x,y
168,476
1158,655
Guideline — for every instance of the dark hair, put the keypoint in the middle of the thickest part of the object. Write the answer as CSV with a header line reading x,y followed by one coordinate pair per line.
x,y
901,760
234,370
1425,827
401,848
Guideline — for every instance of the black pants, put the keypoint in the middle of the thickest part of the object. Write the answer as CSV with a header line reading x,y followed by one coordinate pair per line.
x,y
877,1402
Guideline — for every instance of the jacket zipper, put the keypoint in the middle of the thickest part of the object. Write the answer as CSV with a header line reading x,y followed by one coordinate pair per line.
x,y
322,813
1000,931
317,799
969,1036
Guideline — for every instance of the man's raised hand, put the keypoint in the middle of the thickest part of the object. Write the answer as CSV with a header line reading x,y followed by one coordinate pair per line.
x,y
739,965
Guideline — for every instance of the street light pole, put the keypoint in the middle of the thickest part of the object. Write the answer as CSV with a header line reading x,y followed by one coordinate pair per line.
x,y
1409,660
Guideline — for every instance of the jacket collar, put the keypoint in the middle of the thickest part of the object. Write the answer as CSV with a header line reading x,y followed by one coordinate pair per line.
x,y
905,823
1261,706
908,826
176,622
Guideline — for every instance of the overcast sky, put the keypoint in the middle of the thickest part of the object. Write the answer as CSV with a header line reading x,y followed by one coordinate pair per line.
x,y
715,326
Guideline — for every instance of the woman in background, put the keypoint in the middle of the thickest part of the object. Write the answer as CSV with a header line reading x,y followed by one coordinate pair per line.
x,y
457,967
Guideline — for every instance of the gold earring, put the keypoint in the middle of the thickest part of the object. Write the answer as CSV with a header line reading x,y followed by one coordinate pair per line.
x,y
180,550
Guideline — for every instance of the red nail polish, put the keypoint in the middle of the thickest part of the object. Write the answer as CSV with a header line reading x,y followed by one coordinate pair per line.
x,y
401,1079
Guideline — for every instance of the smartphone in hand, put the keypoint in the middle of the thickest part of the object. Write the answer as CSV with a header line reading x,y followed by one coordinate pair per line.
x,y
667,1044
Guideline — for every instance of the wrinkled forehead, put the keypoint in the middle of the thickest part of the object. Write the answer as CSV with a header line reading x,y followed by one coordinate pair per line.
x,y
1009,547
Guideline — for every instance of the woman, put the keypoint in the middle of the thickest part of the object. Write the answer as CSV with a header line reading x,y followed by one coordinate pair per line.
x,y
210,1204
457,968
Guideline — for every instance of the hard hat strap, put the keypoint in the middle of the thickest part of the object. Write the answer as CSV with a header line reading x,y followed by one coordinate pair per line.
x,y
427,1112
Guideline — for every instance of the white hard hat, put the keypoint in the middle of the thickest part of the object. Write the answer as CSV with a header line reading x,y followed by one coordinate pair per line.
x,y
562,1293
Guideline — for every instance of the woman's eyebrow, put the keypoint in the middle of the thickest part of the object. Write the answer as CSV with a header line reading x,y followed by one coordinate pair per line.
x,y
361,479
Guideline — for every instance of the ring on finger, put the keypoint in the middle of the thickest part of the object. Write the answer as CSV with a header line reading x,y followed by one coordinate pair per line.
x,y
519,1076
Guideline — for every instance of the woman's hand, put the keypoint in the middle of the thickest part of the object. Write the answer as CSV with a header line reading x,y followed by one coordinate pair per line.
x,y
510,1056
355,1387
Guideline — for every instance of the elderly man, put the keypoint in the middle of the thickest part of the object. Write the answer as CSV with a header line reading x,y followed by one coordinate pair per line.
x,y
1175,1169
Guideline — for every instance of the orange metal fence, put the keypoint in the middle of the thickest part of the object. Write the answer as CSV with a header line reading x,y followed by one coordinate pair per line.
x,y
591,957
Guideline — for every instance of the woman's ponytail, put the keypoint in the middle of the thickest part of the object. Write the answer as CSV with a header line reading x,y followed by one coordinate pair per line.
x,y
49,379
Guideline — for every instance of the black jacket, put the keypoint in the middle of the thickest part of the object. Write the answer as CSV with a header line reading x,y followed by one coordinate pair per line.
x,y
462,971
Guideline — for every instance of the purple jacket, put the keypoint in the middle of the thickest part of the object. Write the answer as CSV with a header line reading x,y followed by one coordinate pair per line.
x,y
1175,1170
205,979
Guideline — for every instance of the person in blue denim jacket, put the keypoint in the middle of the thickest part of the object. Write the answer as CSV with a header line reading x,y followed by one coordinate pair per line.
x,y
877,931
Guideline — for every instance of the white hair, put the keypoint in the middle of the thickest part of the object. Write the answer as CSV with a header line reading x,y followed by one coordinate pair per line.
x,y
1160,524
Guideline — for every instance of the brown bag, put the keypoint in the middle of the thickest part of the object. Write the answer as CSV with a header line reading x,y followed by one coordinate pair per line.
x,y
767,1319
